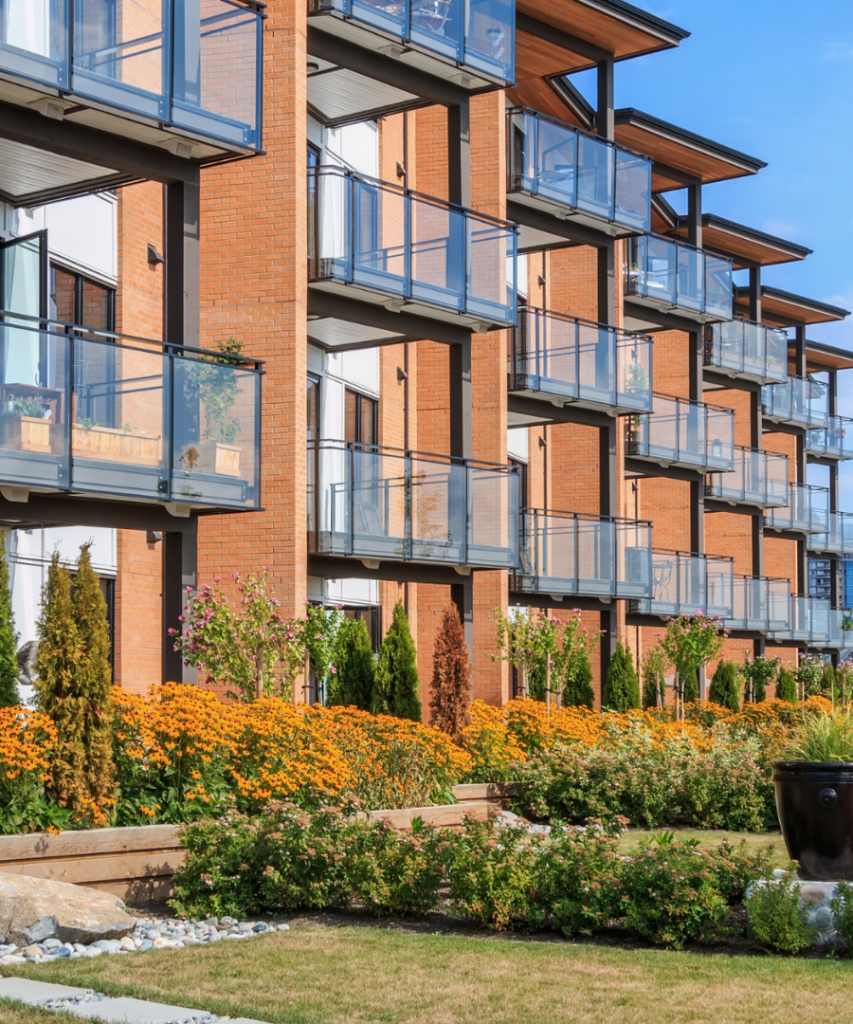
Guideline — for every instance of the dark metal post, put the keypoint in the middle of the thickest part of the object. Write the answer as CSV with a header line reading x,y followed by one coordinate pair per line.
x,y
694,215
755,294
462,447
607,506
800,350
459,154
181,276
606,283
605,123
180,570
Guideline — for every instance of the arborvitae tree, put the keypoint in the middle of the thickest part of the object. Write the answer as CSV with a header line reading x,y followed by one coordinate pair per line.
x,y
691,687
725,686
786,687
450,702
578,690
827,682
352,682
396,686
621,688
8,639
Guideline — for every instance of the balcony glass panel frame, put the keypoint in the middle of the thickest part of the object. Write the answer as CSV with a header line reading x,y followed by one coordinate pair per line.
x,y
835,441
580,361
672,275
760,605
807,511
479,34
376,502
840,631
741,348
759,478
193,64
689,584
679,432
800,401
411,247
96,412
578,171
837,538
809,621
569,553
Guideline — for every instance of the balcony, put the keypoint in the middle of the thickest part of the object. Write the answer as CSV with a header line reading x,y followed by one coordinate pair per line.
x,y
676,278
690,435
840,631
685,584
837,535
576,176
392,247
835,441
566,553
471,44
564,360
94,413
749,351
759,604
800,401
759,479
144,69
809,621
383,504
807,511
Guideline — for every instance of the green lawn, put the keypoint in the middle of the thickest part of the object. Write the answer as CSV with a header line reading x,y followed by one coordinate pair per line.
x,y
771,841
354,975
15,1013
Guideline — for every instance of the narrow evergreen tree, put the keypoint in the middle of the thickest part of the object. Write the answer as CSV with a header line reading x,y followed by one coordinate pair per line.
x,y
8,639
621,688
578,692
450,702
827,682
351,685
725,686
396,686
691,687
786,688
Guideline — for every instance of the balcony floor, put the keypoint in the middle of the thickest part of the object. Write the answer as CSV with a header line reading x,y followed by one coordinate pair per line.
x,y
533,235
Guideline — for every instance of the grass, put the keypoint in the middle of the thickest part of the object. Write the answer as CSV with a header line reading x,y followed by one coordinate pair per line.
x,y
16,1013
755,841
356,975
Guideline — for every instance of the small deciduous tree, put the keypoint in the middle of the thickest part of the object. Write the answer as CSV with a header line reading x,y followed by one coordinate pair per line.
x,y
621,687
725,686
530,641
689,643
8,638
786,687
760,673
654,678
827,683
396,689
351,682
844,678
450,700
809,674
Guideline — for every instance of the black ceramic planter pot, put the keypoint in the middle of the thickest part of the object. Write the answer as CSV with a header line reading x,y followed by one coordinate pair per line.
x,y
814,801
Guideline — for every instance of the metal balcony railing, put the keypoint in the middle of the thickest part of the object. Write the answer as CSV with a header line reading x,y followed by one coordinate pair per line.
x,y
835,441
424,252
600,367
561,167
194,64
837,537
688,584
741,348
759,604
101,413
807,511
809,621
800,401
839,632
682,433
591,556
386,504
477,34
759,478
670,275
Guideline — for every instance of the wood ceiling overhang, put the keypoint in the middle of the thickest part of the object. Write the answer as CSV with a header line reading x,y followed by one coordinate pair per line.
x,y
784,309
826,357
745,246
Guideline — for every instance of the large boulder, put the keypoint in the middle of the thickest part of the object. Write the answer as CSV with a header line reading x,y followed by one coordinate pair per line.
x,y
35,909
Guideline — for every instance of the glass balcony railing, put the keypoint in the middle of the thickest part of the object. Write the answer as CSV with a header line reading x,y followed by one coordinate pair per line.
x,y
92,412
683,433
194,64
372,236
807,511
840,631
592,556
835,441
759,478
685,584
562,167
600,367
672,276
385,504
759,604
800,401
744,349
477,34
837,535
809,621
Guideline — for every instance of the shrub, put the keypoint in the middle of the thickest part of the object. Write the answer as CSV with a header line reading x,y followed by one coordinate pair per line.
x,y
578,690
725,686
8,639
786,687
690,684
578,878
351,684
827,683
776,918
396,686
621,688
451,677
760,673
809,674
842,912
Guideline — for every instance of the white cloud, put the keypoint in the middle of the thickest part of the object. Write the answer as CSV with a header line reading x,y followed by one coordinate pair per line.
x,y
838,50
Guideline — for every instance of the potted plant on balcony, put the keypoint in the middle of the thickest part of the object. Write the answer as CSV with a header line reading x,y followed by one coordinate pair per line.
x,y
26,425
127,444
218,386
814,794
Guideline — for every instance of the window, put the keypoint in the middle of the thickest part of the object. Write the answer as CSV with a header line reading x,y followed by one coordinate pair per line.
x,y
77,300
361,418
372,616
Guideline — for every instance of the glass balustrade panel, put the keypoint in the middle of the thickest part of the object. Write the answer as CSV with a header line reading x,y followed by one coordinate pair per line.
x,y
491,282
556,162
596,556
378,233
633,190
438,239
718,286
596,364
634,567
34,40
720,438
439,25
691,284
490,37
634,369
493,530
596,172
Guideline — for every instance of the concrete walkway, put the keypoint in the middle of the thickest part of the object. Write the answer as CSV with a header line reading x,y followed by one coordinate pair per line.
x,y
85,1003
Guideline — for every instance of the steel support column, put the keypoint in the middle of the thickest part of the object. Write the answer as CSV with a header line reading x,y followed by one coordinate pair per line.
x,y
607,507
459,154
605,122
462,447
179,571
755,294
694,215
182,276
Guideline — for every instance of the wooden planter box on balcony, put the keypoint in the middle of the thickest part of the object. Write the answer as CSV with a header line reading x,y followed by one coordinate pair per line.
x,y
212,457
26,433
109,444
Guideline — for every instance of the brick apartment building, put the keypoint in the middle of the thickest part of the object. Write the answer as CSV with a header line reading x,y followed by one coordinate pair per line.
x,y
498,367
